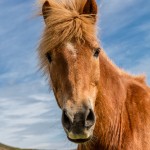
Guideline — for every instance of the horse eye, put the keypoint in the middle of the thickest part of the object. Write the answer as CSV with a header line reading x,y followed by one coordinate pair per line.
x,y
48,56
96,52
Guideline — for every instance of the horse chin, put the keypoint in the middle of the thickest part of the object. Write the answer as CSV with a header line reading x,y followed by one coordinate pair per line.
x,y
80,141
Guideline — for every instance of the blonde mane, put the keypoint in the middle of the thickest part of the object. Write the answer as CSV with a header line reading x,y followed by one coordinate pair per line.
x,y
66,23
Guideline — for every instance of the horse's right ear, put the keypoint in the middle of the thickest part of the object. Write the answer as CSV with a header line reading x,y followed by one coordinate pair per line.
x,y
46,10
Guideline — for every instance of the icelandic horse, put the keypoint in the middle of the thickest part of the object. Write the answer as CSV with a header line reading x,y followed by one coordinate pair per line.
x,y
103,107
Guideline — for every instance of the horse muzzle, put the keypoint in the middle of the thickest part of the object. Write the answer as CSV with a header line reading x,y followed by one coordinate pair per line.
x,y
79,127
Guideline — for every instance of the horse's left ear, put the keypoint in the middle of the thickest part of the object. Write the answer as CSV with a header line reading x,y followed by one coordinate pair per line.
x,y
46,10
90,7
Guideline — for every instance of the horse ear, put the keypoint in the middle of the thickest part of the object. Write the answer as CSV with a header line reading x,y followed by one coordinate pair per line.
x,y
90,7
46,10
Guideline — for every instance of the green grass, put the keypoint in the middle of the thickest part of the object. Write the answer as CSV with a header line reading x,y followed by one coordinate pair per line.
x,y
4,147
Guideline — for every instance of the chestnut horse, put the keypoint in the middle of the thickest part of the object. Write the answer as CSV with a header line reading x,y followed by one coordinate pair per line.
x,y
103,108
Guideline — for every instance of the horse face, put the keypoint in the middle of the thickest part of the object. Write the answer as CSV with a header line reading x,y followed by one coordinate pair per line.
x,y
74,71
73,67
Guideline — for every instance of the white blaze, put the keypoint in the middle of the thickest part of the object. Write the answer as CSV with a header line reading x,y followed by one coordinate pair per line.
x,y
71,49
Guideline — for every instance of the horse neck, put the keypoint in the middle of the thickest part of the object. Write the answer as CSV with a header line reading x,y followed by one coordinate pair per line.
x,y
112,83
109,101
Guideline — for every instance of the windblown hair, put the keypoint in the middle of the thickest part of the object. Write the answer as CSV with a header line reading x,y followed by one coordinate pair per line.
x,y
65,21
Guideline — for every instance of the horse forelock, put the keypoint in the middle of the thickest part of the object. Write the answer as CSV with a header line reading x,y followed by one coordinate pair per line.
x,y
65,23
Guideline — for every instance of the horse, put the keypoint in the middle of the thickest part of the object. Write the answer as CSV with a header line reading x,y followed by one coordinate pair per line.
x,y
103,107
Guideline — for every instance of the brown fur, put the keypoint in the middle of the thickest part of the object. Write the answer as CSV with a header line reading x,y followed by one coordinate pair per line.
x,y
122,101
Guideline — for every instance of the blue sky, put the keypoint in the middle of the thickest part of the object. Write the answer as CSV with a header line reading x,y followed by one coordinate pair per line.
x,y
29,114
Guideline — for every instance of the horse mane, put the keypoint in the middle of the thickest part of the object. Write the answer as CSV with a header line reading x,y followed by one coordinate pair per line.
x,y
139,78
66,22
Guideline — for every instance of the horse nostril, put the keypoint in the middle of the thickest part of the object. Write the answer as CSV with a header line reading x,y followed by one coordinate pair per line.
x,y
66,120
90,120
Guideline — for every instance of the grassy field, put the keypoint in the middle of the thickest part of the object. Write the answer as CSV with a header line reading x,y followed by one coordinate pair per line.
x,y
4,147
